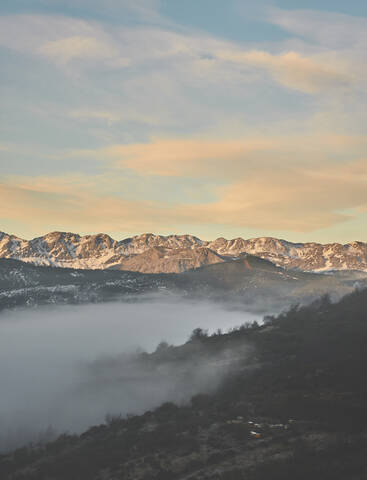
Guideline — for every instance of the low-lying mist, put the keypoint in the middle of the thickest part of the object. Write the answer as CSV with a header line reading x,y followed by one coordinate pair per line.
x,y
65,368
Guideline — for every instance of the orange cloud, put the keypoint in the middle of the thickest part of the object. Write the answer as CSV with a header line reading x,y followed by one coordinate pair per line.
x,y
57,203
226,159
180,157
296,198
74,47
309,75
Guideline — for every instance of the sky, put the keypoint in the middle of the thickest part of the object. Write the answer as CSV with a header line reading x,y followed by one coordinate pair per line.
x,y
199,116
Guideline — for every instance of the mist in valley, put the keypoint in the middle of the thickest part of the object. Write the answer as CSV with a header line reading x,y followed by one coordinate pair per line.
x,y
65,368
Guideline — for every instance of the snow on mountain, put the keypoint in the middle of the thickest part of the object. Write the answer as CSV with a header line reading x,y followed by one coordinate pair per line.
x,y
175,253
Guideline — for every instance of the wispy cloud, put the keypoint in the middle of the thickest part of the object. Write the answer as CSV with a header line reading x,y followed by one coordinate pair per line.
x,y
328,29
64,203
60,39
310,75
71,48
145,10
110,117
114,116
299,199
227,158
294,197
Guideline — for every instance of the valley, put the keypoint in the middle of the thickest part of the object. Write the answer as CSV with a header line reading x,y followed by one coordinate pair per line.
x,y
280,411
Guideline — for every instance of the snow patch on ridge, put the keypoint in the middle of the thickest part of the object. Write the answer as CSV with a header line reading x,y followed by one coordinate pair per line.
x,y
100,251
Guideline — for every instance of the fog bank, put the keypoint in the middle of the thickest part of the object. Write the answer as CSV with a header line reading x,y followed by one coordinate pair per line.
x,y
58,365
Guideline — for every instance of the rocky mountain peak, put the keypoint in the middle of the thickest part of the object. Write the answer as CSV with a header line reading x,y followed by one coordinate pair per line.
x,y
175,253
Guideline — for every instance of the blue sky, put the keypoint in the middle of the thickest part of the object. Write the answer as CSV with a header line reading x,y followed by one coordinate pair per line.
x,y
206,117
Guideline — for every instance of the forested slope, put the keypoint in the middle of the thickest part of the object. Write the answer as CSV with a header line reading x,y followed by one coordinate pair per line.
x,y
294,405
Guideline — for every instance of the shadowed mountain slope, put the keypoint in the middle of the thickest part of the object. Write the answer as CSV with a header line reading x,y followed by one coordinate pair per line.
x,y
252,282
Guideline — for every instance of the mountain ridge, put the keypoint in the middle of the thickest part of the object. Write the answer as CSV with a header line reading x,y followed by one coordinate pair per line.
x,y
248,282
150,253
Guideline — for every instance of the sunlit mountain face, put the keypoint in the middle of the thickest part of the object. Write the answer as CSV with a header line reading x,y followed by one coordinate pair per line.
x,y
150,253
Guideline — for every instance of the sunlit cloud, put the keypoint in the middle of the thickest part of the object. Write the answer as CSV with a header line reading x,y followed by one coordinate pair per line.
x,y
52,204
227,159
28,32
296,71
294,197
60,39
77,46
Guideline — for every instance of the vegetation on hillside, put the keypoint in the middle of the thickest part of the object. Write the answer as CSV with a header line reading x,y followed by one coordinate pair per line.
x,y
293,406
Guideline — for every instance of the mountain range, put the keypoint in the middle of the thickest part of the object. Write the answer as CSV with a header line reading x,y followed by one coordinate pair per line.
x,y
149,253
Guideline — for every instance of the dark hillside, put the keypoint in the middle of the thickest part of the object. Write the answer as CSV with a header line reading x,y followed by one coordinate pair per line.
x,y
294,406
259,281
255,283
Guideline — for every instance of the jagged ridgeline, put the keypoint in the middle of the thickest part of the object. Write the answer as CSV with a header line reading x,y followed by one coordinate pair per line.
x,y
293,405
150,253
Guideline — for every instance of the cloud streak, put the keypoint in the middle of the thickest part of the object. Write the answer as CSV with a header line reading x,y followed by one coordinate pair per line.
x,y
227,158
295,71
74,47
328,29
295,197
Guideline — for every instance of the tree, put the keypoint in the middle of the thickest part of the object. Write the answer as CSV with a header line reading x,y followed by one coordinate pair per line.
x,y
162,347
198,334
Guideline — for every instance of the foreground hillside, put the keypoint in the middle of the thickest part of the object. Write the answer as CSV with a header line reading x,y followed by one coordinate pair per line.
x,y
251,281
150,253
294,405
